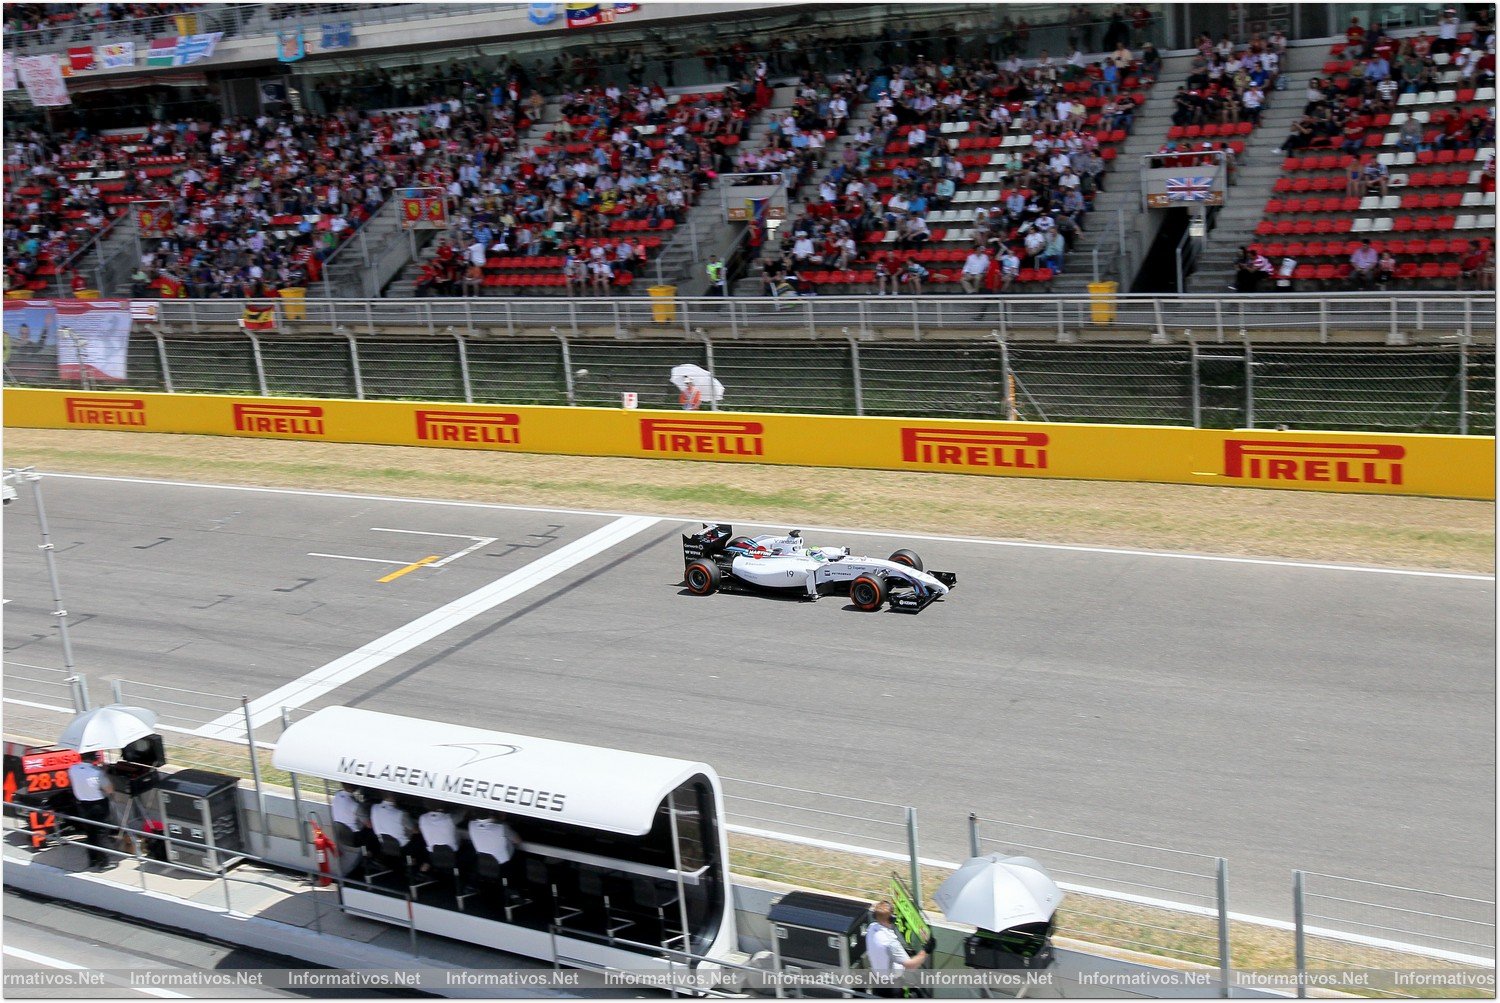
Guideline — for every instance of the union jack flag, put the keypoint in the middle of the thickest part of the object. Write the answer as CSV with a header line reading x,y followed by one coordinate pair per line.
x,y
1189,189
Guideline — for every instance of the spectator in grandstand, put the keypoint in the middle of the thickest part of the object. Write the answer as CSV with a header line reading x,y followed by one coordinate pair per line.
x,y
1385,269
976,268
912,275
1447,36
1301,136
1247,272
1377,177
1364,261
1476,267
1409,136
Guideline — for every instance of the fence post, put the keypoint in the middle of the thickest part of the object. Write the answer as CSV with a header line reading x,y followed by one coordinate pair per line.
x,y
1221,888
859,388
916,864
463,368
1007,381
81,693
166,368
973,835
1197,382
359,377
708,357
260,792
1463,384
1299,934
260,365
1322,322
1249,383
286,722
567,361
117,690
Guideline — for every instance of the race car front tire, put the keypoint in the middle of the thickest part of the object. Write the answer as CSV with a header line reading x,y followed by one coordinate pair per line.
x,y
702,578
908,558
868,592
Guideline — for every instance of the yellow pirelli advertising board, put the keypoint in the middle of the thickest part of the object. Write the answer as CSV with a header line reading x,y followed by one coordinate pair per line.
x,y
1362,462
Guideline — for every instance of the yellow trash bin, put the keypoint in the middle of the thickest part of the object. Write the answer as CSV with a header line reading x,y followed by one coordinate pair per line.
x,y
664,311
1102,301
296,307
18,294
86,294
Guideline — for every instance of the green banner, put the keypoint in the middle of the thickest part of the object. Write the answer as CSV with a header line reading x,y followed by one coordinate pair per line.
x,y
906,915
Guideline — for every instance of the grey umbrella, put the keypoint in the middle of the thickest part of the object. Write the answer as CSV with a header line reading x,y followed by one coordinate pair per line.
x,y
996,892
111,727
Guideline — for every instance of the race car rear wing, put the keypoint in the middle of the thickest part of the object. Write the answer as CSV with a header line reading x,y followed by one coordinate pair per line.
x,y
696,546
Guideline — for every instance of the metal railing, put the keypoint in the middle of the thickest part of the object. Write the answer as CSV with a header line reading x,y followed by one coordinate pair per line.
x,y
1149,899
842,844
1442,387
1403,941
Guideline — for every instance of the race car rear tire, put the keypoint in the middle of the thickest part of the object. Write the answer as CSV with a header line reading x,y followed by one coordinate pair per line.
x,y
868,592
908,558
702,578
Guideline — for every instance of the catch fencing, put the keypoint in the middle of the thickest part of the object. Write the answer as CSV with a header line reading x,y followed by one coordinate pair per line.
x,y
1132,896
1431,388
1406,942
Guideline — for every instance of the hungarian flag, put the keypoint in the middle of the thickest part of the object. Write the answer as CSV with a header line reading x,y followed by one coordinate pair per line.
x,y
81,59
163,52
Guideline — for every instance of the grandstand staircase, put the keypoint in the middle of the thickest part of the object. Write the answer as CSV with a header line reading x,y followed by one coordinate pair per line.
x,y
351,272
1245,203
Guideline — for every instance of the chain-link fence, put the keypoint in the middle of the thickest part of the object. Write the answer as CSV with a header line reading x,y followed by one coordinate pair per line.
x,y
1439,389
1390,940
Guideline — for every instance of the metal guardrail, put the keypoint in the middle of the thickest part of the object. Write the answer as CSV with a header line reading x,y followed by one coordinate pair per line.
x,y
1450,317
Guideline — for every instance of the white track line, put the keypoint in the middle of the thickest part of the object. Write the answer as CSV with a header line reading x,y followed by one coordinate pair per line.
x,y
398,642
40,706
50,962
1362,569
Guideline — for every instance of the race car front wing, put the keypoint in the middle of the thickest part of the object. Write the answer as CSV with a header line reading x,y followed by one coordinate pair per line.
x,y
913,601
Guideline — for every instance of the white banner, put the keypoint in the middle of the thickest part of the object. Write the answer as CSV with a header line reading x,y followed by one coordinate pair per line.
x,y
11,83
92,339
116,55
42,77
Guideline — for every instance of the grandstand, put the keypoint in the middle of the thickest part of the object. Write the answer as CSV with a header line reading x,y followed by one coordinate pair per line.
x,y
932,150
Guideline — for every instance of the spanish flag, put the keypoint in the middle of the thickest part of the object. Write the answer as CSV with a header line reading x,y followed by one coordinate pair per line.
x,y
258,317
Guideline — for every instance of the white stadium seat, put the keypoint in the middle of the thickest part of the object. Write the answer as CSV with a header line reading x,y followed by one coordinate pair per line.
x,y
1406,99
1427,97
1446,97
1362,225
1487,222
1388,159
1472,200
1484,94
1383,225
1390,202
1465,223
1370,202
1487,199
1405,159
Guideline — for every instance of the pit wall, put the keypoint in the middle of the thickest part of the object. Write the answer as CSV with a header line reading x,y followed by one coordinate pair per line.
x,y
1354,462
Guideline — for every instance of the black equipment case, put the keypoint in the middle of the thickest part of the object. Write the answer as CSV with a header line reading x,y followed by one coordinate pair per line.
x,y
821,930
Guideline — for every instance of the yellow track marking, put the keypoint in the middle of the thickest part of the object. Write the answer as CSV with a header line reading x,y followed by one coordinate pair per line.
x,y
410,567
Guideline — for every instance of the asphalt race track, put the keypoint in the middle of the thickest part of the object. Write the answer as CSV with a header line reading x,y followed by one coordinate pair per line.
x,y
1280,715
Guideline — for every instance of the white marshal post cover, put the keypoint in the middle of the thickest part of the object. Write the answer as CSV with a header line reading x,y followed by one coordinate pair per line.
x,y
535,777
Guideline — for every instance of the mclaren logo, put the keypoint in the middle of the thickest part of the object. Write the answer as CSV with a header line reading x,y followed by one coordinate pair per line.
x,y
107,411
482,428
705,437
480,752
1314,462
971,447
279,419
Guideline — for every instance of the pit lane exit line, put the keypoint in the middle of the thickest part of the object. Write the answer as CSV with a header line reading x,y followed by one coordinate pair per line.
x,y
398,642
49,962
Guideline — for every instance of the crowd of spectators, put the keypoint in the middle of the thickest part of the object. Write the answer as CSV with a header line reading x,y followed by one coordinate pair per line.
x,y
51,22
870,194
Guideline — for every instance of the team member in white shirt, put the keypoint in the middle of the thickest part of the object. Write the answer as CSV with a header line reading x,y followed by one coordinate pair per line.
x,y
887,955
91,789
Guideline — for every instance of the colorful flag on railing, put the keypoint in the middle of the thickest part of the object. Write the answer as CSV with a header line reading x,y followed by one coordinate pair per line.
x,y
587,14
627,8
542,13
42,78
756,208
1196,189
339,35
81,58
290,45
11,81
117,55
259,317
162,52
191,48
187,24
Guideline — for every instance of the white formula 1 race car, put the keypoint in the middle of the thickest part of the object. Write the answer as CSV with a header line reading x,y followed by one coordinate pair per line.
x,y
718,560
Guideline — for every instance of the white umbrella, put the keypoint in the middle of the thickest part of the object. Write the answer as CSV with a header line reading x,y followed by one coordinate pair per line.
x,y
112,727
996,892
711,390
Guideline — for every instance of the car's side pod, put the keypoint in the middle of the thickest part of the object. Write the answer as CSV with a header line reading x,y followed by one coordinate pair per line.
x,y
697,546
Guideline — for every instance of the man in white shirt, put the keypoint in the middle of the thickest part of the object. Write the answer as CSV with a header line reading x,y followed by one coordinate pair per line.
x,y
887,955
350,811
389,819
976,267
91,789
491,837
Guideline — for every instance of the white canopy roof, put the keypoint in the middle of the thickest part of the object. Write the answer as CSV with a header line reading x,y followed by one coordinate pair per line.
x,y
536,777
